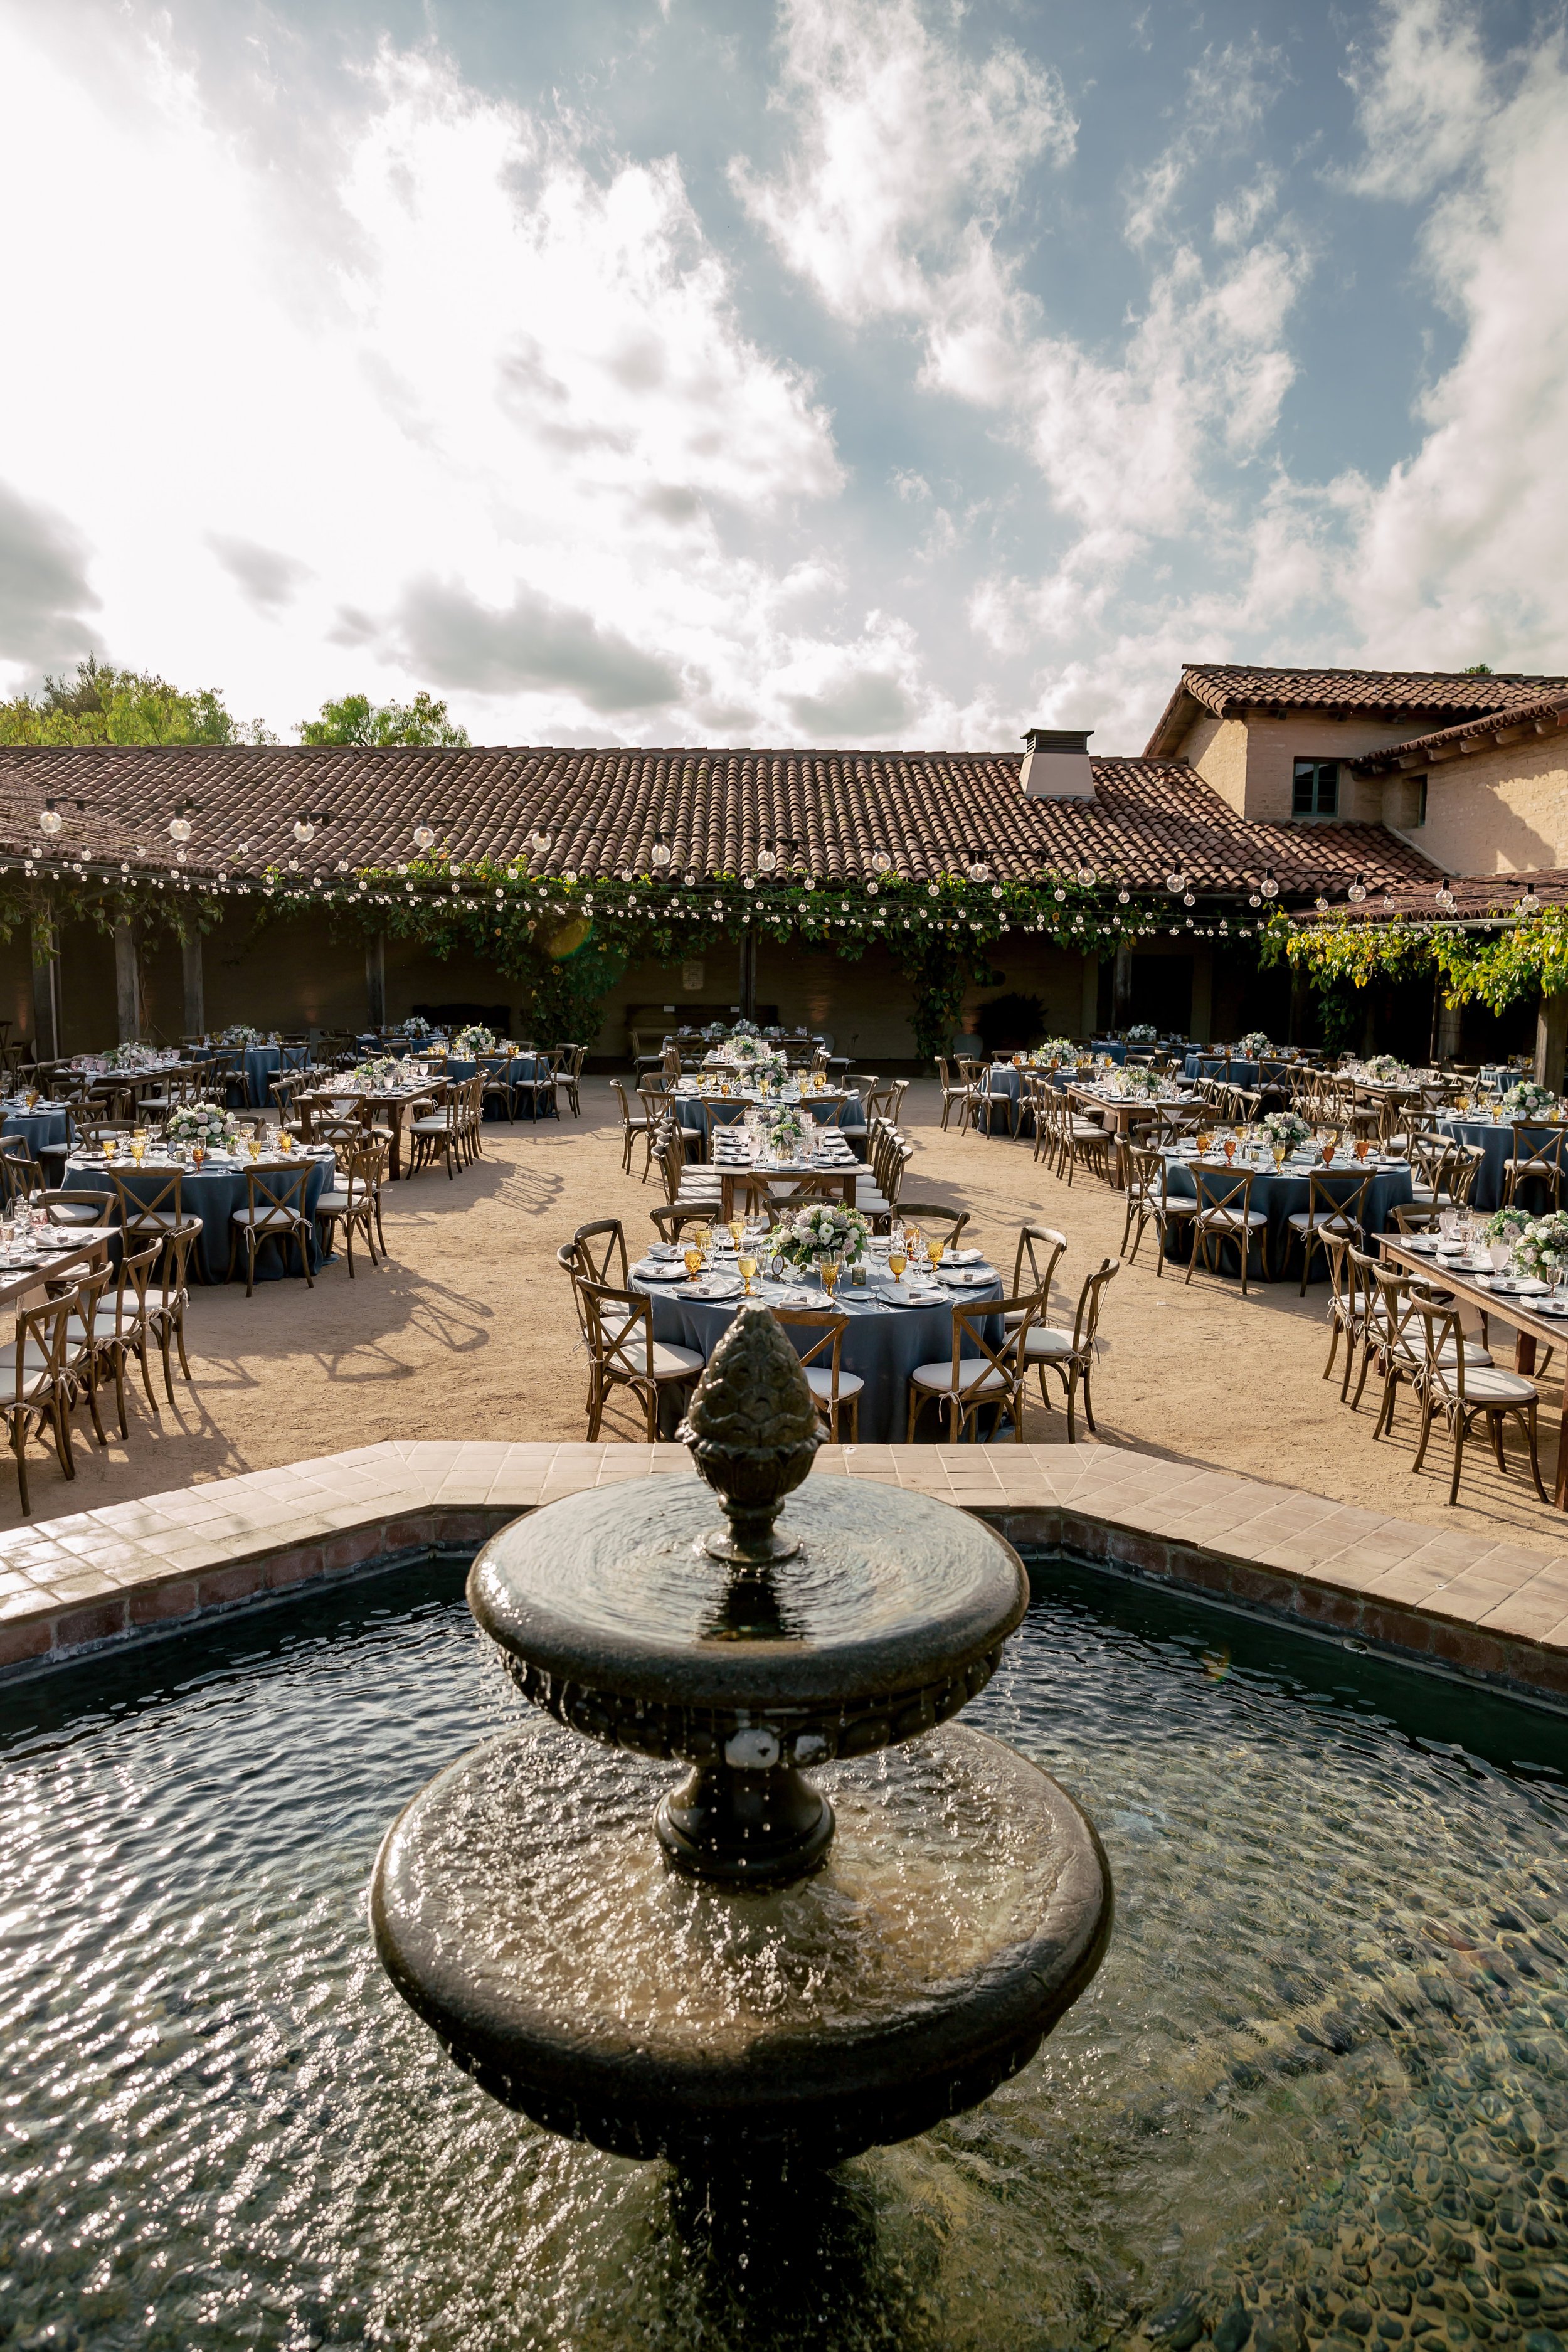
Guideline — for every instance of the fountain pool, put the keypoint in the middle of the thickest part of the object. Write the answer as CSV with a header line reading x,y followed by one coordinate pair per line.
x,y
1317,2095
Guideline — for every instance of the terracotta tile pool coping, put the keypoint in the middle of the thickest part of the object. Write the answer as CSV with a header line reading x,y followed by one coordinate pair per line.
x,y
1482,1608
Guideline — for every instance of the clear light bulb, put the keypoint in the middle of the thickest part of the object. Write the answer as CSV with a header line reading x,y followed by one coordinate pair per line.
x,y
424,837
50,820
659,855
179,828
303,829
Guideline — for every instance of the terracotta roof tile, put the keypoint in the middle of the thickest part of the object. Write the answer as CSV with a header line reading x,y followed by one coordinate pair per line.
x,y
1225,688
604,810
1543,712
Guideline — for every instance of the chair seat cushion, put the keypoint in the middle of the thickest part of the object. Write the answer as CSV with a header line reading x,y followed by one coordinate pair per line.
x,y
152,1221
1494,1386
670,1362
1046,1344
1303,1222
1230,1219
265,1219
440,1127
938,1378
35,1371
77,1213
820,1384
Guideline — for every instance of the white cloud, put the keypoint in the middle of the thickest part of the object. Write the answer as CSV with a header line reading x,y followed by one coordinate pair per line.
x,y
1424,97
906,152
1458,556
497,367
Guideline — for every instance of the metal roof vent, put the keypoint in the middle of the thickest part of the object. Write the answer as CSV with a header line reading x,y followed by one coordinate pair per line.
x,y
1056,765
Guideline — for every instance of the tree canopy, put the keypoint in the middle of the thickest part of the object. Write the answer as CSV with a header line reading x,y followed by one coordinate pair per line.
x,y
354,719
102,704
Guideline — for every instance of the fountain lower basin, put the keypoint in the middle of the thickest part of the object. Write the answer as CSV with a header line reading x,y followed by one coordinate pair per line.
x,y
524,1911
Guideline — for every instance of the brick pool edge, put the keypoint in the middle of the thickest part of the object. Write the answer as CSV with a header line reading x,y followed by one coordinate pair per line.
x,y
1493,1611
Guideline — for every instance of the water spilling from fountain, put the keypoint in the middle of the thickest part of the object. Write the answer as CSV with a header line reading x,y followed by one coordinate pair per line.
x,y
728,1972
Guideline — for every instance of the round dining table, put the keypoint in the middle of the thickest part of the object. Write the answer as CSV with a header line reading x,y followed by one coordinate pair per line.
x,y
1495,1137
521,1066
882,1344
1286,1193
212,1193
46,1127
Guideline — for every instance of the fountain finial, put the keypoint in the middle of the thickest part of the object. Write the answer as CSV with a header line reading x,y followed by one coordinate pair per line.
x,y
753,1430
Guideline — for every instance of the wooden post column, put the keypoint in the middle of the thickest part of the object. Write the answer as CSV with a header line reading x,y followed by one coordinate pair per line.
x,y
127,986
47,992
1551,1040
376,978
194,975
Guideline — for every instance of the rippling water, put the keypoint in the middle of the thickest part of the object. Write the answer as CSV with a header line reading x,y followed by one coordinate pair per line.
x,y
1314,2098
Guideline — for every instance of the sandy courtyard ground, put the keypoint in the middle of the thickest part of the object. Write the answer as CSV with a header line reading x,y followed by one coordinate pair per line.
x,y
468,1332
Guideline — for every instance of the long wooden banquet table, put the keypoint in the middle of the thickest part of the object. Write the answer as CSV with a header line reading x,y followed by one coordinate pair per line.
x,y
1499,1306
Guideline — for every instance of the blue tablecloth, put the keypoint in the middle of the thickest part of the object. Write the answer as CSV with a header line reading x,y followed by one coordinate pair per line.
x,y
1268,1072
881,1344
1497,1143
1286,1195
521,1066
212,1194
707,1111
261,1064
38,1127
1114,1048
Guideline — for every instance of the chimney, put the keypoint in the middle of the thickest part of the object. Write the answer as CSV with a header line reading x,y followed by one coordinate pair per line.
x,y
1056,765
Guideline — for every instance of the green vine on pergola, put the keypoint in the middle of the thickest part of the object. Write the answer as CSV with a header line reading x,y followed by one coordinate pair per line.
x,y
568,938
1495,961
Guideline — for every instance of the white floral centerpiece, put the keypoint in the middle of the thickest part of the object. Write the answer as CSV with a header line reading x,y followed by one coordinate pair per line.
x,y
1255,1044
475,1040
1143,1032
785,1130
758,1064
1505,1225
1386,1070
1529,1101
239,1033
1542,1249
1140,1082
376,1075
1053,1055
825,1229
1286,1130
416,1026
130,1057
207,1123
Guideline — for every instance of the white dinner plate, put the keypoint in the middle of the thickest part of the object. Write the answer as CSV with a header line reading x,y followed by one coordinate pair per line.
x,y
967,1277
646,1273
965,1257
713,1289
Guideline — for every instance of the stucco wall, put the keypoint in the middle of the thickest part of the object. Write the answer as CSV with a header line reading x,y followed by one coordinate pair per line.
x,y
1501,811
1250,761
1217,749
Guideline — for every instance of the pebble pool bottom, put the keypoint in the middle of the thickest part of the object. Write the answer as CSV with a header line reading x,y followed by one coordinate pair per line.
x,y
1317,2095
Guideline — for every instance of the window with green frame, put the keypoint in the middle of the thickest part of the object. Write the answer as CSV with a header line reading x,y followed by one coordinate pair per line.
x,y
1315,788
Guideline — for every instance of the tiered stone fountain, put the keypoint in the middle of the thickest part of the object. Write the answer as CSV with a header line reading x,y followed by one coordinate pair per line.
x,y
733,1970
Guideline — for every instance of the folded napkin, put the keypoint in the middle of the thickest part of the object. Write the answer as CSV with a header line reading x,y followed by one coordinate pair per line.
x,y
965,1257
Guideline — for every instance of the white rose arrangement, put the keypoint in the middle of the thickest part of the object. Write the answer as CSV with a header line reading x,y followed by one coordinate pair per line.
x,y
1255,1044
825,1229
207,1123
475,1040
1285,1129
1542,1249
1528,1100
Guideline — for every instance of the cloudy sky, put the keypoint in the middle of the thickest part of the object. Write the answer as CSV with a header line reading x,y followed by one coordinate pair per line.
x,y
867,372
